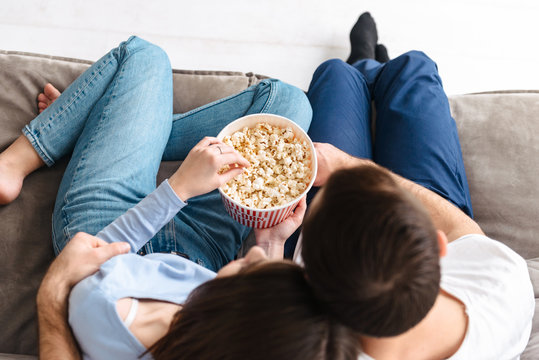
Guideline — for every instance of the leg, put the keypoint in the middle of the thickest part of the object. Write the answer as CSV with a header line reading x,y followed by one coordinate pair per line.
x,y
203,230
42,143
416,136
341,115
341,108
115,159
269,96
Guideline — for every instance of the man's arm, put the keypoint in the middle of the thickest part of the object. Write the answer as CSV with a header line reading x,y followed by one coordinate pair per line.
x,y
55,338
81,257
445,216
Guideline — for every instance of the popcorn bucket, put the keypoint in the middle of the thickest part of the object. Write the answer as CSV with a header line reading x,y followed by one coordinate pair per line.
x,y
264,218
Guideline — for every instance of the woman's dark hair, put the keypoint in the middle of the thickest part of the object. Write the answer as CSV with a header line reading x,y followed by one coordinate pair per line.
x,y
371,252
267,311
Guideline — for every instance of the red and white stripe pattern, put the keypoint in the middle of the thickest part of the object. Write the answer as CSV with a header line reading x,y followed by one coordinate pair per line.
x,y
259,219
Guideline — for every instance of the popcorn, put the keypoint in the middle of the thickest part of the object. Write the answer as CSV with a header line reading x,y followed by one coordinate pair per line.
x,y
280,166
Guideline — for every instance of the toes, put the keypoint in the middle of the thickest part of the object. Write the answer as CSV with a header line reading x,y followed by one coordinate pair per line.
x,y
43,98
51,92
47,97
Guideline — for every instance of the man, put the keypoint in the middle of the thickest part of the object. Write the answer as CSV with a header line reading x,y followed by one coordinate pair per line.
x,y
389,242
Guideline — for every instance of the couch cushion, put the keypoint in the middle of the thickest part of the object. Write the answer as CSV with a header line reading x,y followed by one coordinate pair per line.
x,y
498,133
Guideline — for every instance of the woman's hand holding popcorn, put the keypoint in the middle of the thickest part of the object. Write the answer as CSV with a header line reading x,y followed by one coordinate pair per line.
x,y
272,239
200,171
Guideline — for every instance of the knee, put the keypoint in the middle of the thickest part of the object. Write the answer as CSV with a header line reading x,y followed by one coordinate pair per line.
x,y
336,71
417,59
288,101
144,52
332,66
284,92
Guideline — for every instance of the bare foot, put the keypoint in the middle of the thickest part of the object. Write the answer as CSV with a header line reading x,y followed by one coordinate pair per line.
x,y
47,97
17,161
10,182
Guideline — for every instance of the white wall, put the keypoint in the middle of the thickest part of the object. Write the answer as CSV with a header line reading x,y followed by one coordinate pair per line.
x,y
479,45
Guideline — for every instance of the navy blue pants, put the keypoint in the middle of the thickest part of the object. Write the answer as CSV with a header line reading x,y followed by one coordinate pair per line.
x,y
415,135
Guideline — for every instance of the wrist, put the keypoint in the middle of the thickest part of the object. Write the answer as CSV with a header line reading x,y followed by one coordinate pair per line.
x,y
273,249
178,187
53,293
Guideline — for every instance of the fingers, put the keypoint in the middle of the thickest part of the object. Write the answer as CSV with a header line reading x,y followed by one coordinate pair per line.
x,y
217,147
299,211
209,140
233,158
108,251
229,175
302,205
220,149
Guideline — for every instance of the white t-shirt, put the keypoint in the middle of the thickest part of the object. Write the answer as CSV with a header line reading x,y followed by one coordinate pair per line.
x,y
494,284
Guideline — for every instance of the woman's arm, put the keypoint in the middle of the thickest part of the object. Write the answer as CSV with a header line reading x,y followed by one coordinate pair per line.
x,y
81,257
445,216
198,174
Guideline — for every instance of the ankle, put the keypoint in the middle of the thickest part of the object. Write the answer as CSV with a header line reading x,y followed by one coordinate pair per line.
x,y
21,158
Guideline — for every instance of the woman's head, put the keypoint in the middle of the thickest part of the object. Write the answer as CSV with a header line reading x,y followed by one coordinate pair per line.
x,y
371,252
266,311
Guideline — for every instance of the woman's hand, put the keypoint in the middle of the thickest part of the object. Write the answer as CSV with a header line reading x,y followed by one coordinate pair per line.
x,y
199,172
272,239
331,159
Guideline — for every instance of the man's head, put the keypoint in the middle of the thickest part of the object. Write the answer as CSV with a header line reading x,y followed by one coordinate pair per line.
x,y
371,252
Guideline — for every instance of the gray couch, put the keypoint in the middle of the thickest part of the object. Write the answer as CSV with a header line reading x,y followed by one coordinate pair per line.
x,y
498,135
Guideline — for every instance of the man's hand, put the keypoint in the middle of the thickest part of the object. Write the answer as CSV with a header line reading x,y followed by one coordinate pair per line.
x,y
81,257
331,159
272,239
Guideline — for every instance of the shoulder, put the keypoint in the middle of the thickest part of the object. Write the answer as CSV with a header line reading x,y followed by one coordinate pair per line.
x,y
484,255
493,283
158,276
484,266
93,315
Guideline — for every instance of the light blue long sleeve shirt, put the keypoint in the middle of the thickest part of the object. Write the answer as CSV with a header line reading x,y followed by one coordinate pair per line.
x,y
98,328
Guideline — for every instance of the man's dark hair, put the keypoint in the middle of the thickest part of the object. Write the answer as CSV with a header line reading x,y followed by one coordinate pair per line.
x,y
371,252
267,311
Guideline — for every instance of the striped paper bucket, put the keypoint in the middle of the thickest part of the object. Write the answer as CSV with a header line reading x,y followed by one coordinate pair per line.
x,y
264,218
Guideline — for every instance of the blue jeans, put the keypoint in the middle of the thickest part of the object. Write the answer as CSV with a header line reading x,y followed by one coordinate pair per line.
x,y
415,135
117,123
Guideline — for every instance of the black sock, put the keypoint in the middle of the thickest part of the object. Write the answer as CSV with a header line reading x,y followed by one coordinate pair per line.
x,y
381,54
363,39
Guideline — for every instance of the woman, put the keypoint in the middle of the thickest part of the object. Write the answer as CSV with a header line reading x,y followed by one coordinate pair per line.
x,y
117,121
